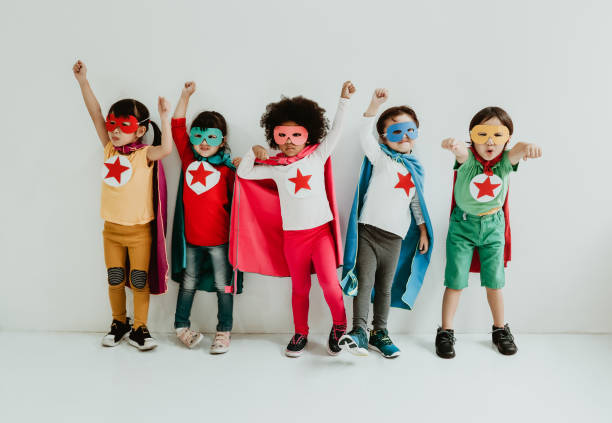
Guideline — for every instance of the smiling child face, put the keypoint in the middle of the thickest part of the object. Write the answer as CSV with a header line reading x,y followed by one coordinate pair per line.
x,y
406,144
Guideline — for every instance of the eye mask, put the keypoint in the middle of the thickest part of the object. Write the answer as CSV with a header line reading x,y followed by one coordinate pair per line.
x,y
480,134
212,136
396,132
297,134
128,125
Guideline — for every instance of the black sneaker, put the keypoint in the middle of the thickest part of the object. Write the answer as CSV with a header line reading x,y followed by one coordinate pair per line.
x,y
504,340
118,332
337,331
142,339
296,345
445,341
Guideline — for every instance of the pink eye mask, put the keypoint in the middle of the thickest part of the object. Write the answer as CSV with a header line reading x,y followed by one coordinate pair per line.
x,y
298,135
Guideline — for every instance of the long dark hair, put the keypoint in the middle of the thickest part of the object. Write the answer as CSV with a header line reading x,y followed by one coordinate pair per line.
x,y
130,107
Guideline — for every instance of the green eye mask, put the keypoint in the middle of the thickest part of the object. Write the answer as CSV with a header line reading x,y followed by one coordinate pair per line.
x,y
212,136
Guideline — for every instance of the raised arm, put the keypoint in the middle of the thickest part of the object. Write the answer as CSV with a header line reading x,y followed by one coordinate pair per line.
x,y
333,136
458,148
247,168
369,142
183,102
91,102
523,150
158,152
179,125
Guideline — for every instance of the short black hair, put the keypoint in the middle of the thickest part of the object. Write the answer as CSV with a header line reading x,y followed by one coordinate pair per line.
x,y
393,112
300,110
491,112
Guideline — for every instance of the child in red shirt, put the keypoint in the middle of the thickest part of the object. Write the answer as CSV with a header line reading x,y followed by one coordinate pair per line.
x,y
201,220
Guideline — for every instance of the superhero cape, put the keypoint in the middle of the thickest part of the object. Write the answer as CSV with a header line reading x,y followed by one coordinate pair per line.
x,y
411,266
256,229
475,266
158,263
206,281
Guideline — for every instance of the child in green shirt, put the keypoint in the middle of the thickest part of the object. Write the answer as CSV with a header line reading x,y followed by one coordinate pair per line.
x,y
478,221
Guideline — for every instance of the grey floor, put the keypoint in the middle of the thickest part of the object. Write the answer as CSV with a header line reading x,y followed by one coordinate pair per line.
x,y
69,377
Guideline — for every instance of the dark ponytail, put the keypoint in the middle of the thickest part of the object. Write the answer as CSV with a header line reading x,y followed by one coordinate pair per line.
x,y
130,107
156,133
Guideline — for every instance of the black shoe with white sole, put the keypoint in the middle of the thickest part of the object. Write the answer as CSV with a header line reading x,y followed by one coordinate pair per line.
x,y
296,345
503,339
337,332
142,339
445,343
118,332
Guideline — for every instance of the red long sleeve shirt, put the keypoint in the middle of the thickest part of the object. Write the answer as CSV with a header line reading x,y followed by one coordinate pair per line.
x,y
207,192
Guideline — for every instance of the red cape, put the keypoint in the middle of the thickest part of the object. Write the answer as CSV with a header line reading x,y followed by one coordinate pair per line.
x,y
475,267
256,228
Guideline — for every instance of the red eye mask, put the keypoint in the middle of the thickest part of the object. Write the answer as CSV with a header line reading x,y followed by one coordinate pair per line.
x,y
127,125
297,134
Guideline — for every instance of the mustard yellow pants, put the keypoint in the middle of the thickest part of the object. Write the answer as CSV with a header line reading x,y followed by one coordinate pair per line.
x,y
120,242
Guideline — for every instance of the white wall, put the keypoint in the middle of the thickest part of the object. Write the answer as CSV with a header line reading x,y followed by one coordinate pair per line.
x,y
547,63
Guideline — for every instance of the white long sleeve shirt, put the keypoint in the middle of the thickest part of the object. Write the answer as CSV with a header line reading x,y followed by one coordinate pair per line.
x,y
391,193
301,185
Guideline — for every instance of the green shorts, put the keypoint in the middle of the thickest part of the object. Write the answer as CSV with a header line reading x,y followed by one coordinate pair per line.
x,y
466,232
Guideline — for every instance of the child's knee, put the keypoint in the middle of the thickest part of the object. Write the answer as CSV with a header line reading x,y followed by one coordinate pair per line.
x,y
138,279
116,276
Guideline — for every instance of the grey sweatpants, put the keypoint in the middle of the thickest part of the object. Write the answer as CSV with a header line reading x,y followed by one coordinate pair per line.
x,y
377,255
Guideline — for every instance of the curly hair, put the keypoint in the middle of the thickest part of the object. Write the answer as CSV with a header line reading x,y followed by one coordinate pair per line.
x,y
300,110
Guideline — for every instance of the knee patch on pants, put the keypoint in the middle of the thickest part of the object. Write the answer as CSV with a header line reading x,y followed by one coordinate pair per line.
x,y
115,275
138,278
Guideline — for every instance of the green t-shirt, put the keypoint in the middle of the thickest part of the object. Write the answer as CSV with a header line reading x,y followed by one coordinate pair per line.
x,y
477,193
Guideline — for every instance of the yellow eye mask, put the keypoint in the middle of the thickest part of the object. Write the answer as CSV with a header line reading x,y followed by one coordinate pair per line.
x,y
480,134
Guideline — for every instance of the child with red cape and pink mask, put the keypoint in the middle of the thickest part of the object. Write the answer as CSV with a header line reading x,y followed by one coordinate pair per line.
x,y
284,213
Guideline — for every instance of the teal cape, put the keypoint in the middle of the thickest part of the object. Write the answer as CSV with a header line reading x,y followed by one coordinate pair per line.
x,y
179,242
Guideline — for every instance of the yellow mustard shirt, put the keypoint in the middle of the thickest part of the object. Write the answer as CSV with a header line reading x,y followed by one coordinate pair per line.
x,y
127,187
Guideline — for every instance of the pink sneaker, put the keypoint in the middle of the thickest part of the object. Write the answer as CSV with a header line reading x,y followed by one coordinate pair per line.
x,y
221,343
189,337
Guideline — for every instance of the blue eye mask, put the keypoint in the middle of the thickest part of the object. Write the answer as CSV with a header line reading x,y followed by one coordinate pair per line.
x,y
212,136
396,132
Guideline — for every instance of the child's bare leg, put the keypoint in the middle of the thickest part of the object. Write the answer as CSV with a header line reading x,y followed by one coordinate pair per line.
x,y
449,307
496,303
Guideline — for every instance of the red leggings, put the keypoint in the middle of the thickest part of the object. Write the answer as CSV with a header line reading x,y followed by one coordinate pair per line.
x,y
302,250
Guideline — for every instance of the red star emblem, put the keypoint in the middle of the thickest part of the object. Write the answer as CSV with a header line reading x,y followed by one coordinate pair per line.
x,y
300,181
115,170
405,182
200,174
486,188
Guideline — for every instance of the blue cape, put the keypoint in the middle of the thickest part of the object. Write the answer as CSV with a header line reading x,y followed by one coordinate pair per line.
x,y
411,266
